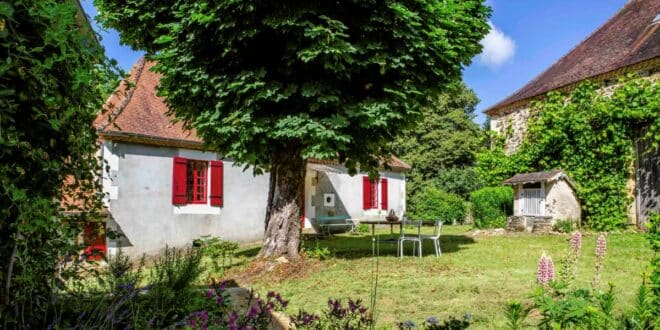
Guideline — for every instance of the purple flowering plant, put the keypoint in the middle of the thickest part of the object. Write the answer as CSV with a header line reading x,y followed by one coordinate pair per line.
x,y
222,315
352,316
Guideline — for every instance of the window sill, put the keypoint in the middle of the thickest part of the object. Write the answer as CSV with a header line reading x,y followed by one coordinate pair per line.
x,y
197,209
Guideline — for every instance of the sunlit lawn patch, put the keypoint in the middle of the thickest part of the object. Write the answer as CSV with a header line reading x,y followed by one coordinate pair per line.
x,y
474,274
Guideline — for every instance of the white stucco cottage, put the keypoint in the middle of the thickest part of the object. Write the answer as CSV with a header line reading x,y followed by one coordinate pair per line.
x,y
161,188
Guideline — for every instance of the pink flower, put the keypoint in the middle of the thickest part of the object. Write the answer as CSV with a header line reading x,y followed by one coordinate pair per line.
x,y
601,246
545,271
576,242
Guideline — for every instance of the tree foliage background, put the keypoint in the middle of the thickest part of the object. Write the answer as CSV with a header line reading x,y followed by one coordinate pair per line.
x,y
442,147
270,84
53,79
589,134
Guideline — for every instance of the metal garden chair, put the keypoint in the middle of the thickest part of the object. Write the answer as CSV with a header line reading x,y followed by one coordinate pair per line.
x,y
435,237
415,239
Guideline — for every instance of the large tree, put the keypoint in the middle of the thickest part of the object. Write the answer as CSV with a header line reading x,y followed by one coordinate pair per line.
x,y
273,83
445,142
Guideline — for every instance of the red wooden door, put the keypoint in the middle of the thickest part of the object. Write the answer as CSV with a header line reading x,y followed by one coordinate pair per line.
x,y
94,238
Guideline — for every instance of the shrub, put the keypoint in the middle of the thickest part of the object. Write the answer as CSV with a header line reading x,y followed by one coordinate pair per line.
x,y
459,181
362,228
564,226
430,203
491,205
317,252
123,295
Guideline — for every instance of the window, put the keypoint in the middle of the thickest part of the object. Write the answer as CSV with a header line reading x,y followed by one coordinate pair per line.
x,y
195,182
371,196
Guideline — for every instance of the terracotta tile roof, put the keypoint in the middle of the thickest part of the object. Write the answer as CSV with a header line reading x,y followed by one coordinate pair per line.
x,y
533,177
630,37
138,115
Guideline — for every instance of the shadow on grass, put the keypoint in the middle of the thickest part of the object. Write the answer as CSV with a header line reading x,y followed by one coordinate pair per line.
x,y
360,246
249,253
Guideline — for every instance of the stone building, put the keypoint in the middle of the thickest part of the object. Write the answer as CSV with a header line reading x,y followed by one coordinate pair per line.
x,y
629,42
541,199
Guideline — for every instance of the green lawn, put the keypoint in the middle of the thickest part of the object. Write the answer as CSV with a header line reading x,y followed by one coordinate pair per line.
x,y
474,274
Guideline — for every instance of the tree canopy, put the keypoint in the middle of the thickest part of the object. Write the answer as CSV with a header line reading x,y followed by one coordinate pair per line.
x,y
444,143
330,79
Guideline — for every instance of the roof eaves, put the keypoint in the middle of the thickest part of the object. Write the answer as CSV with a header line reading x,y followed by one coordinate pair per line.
x,y
150,140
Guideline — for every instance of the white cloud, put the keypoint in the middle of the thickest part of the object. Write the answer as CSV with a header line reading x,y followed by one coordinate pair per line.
x,y
498,48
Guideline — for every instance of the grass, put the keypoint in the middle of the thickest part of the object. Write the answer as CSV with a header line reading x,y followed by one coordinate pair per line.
x,y
474,274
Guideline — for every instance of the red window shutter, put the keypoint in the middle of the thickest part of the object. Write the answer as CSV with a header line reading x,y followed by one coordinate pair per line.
x,y
366,193
179,181
216,183
383,194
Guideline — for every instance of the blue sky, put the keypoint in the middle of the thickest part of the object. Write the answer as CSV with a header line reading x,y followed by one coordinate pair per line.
x,y
528,36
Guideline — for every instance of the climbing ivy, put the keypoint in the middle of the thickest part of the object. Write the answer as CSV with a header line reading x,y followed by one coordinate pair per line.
x,y
590,134
53,79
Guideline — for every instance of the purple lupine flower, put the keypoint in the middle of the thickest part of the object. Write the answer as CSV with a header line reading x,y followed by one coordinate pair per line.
x,y
271,294
219,300
576,242
601,246
545,271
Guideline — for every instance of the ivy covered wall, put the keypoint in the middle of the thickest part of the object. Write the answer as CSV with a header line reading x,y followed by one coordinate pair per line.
x,y
590,134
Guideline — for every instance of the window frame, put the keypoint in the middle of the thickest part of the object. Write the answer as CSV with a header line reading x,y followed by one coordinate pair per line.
x,y
193,196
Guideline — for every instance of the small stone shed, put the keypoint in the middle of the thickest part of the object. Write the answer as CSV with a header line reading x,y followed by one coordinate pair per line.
x,y
540,199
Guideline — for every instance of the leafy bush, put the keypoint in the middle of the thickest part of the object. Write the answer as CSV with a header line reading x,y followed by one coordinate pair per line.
x,y
430,203
491,205
459,181
317,252
172,285
362,228
124,296
564,226
53,81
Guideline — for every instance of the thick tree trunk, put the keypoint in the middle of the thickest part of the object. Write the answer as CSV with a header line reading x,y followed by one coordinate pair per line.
x,y
285,198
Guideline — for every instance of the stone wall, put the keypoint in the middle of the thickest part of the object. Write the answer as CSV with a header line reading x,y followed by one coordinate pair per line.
x,y
512,126
527,223
561,201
